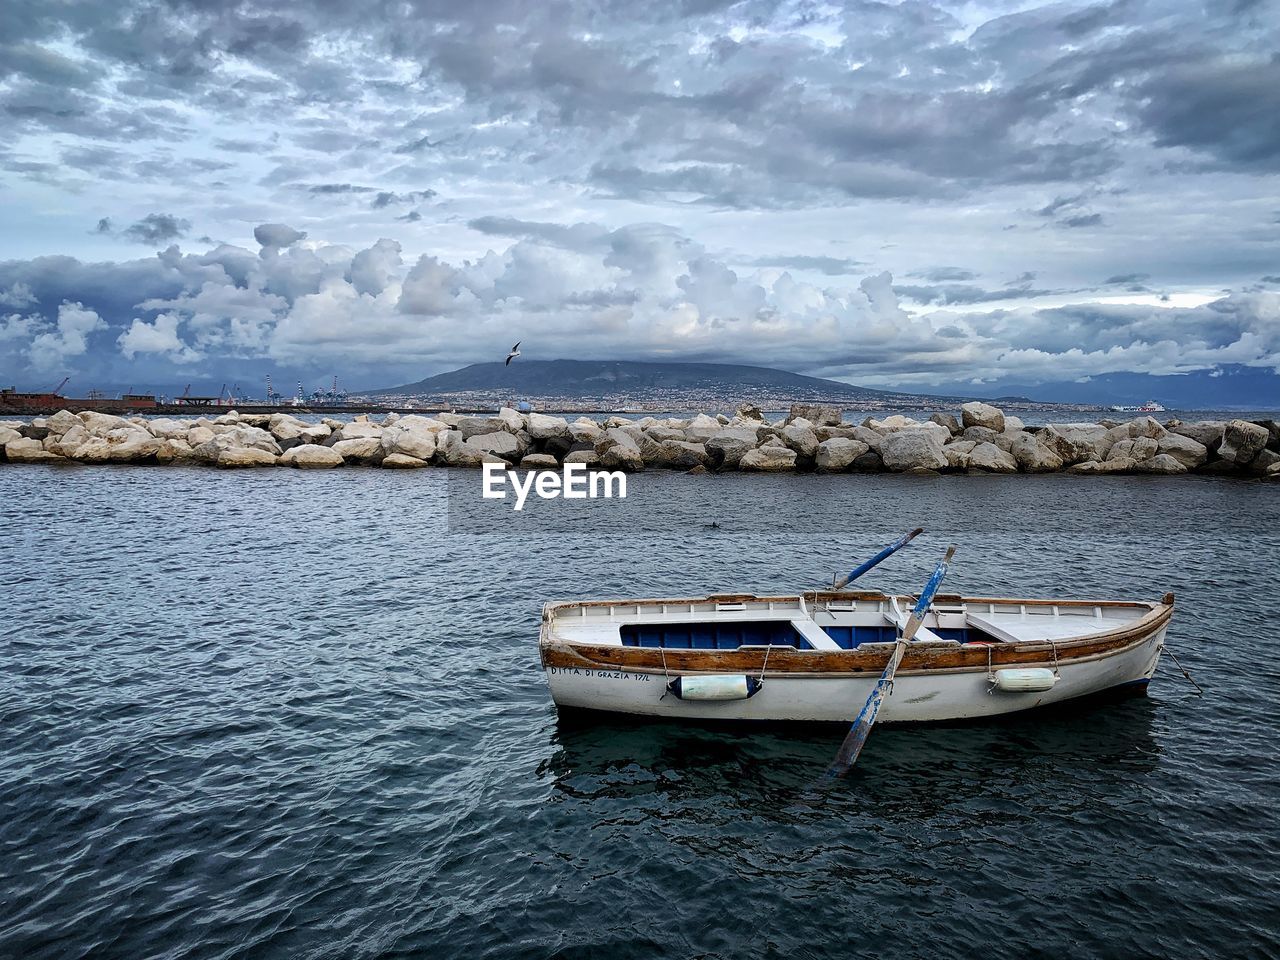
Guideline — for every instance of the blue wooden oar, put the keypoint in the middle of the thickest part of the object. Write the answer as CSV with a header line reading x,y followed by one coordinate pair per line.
x,y
887,552
857,735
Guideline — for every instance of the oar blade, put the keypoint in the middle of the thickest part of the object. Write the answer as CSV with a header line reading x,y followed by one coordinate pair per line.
x,y
853,743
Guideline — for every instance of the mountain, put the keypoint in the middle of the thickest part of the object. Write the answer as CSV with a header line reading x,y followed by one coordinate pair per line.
x,y
634,380
1229,387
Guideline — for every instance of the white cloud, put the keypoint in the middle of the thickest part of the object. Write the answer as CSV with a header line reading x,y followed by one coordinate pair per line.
x,y
68,337
18,295
160,336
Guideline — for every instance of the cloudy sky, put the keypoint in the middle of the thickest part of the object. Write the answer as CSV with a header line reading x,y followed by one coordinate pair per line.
x,y
917,195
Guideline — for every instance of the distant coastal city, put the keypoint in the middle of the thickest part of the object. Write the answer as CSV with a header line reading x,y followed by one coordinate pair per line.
x,y
560,386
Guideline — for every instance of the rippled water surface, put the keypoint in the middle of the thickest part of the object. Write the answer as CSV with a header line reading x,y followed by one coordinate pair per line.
x,y
287,714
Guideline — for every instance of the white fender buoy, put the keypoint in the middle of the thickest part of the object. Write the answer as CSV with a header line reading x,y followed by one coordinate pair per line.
x,y
1024,679
733,687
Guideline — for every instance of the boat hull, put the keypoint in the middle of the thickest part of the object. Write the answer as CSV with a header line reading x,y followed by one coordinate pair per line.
x,y
916,698
936,683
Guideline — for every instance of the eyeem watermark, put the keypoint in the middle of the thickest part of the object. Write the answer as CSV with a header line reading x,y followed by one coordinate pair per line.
x,y
574,482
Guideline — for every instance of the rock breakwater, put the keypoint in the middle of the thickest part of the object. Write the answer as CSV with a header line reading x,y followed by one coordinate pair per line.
x,y
811,437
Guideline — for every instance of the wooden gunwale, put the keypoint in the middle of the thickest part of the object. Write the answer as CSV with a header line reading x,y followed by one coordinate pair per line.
x,y
920,658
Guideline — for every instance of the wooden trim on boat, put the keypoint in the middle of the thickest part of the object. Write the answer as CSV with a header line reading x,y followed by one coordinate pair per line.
x,y
919,658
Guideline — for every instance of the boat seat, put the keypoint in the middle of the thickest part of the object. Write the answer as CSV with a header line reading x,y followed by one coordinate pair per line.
x,y
818,638
1013,628
923,634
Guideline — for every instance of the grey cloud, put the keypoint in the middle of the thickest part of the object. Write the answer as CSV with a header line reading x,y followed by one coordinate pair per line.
x,y
277,235
422,143
578,236
387,197
156,228
831,266
1060,203
1127,278
1083,220
945,274
959,293
337,188
1224,107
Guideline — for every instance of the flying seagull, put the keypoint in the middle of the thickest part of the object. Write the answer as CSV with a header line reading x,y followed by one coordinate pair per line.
x,y
515,352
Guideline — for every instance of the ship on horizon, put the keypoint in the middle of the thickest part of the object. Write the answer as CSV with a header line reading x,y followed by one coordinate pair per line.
x,y
1149,407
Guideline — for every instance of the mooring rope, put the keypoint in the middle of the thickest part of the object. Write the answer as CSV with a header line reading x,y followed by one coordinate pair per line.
x,y
666,687
1199,689
765,663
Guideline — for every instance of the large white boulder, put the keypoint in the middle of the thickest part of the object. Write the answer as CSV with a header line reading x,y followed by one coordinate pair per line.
x,y
1146,427
1033,456
957,452
543,427
620,456
1113,464
512,420
120,445
989,457
27,450
679,455
947,420
65,444
914,450
1186,451
818,414
99,424
412,436
1161,463
727,448
166,428
500,444
282,426
400,461
838,453
237,457
360,430
977,414
1077,442
768,459
478,426
799,436
198,435
1242,440
359,449
456,452
1207,433
316,433
585,430
311,456
62,421
175,450
702,428
889,424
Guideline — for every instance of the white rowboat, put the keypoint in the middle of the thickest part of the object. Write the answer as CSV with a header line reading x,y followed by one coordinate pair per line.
x,y
817,656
